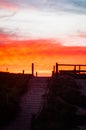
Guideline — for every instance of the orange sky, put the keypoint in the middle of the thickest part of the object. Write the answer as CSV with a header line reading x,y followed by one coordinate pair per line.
x,y
18,55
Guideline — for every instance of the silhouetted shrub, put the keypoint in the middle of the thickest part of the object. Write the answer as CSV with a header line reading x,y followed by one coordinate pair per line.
x,y
12,87
60,111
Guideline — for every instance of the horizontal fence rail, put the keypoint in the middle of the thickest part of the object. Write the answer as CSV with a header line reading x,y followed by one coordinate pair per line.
x,y
71,65
77,68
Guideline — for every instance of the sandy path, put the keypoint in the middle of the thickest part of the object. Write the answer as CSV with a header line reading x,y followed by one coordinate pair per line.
x,y
31,103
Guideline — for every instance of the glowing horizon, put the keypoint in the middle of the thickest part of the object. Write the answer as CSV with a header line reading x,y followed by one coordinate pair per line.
x,y
18,55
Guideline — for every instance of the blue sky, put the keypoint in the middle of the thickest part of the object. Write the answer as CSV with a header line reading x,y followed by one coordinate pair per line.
x,y
55,4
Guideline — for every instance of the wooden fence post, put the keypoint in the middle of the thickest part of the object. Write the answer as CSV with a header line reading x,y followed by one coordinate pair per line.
x,y
79,68
56,68
36,74
75,69
23,71
32,69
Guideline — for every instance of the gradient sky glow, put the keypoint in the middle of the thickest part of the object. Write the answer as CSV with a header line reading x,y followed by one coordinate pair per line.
x,y
43,32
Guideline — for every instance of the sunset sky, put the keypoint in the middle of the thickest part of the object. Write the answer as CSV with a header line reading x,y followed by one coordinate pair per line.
x,y
43,32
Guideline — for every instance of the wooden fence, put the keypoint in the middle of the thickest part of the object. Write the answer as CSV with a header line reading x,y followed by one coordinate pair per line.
x,y
77,68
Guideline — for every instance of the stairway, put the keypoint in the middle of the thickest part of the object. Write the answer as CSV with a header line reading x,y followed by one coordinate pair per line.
x,y
31,103
33,99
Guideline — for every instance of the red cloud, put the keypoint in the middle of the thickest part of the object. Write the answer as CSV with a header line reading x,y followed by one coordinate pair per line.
x,y
20,54
7,5
82,35
39,47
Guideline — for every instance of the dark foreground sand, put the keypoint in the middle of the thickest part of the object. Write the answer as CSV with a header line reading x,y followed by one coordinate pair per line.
x,y
31,103
82,84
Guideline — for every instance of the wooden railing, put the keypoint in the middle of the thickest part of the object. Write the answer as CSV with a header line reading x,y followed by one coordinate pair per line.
x,y
75,70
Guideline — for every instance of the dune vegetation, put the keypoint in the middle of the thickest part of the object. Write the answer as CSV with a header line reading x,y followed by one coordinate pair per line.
x,y
61,106
12,87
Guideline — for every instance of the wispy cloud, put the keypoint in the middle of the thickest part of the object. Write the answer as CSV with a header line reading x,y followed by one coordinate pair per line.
x,y
33,24
77,6
8,5
30,21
